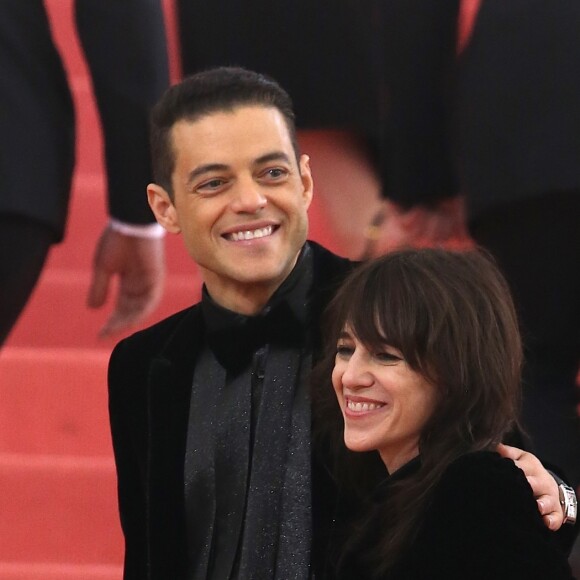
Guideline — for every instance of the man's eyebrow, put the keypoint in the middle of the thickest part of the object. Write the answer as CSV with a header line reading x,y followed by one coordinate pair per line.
x,y
274,156
207,168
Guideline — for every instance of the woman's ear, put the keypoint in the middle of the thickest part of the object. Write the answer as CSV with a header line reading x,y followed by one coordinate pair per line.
x,y
162,207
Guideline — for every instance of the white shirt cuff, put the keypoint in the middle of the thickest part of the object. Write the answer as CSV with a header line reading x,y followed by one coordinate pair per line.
x,y
149,231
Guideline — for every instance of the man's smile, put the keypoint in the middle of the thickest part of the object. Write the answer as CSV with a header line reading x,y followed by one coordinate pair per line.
x,y
243,235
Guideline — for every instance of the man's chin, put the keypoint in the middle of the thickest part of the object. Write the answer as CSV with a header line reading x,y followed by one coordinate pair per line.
x,y
263,276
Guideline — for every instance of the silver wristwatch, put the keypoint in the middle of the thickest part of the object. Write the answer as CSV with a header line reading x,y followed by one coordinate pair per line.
x,y
568,502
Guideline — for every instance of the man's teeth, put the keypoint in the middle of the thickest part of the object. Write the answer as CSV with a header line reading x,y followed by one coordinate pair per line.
x,y
252,234
363,407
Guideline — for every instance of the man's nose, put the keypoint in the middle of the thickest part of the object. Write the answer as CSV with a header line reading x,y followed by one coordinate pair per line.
x,y
249,197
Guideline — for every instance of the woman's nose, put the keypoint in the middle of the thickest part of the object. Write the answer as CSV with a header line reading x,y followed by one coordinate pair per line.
x,y
357,374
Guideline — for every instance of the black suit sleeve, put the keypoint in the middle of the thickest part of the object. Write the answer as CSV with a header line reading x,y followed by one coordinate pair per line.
x,y
125,46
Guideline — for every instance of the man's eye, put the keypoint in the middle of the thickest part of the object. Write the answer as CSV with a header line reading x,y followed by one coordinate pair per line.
x,y
275,173
211,185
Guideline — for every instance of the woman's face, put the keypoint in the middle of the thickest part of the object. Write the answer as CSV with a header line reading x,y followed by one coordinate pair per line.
x,y
384,402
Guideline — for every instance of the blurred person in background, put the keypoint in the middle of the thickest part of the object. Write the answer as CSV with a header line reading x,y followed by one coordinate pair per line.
x,y
500,125
125,47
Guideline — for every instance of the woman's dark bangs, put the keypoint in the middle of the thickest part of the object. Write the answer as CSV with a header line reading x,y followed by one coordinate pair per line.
x,y
371,313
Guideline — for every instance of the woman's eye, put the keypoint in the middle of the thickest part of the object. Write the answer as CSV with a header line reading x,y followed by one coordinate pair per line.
x,y
387,357
344,351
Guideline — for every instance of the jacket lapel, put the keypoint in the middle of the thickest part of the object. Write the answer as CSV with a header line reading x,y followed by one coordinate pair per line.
x,y
170,383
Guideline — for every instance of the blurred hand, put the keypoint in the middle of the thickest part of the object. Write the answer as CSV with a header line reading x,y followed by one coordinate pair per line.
x,y
139,263
542,483
444,224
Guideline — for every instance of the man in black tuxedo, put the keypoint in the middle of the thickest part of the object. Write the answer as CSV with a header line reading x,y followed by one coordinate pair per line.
x,y
125,47
210,410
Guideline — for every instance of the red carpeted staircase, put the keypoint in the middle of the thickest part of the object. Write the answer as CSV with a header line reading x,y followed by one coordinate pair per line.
x,y
57,481
58,510
58,507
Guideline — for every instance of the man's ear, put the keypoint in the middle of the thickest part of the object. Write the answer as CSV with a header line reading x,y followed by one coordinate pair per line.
x,y
307,182
163,208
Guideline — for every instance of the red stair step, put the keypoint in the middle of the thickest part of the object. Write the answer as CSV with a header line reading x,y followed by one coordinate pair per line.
x,y
54,401
59,509
28,571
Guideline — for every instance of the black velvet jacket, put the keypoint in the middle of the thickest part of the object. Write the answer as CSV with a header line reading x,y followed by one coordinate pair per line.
x,y
150,381
482,523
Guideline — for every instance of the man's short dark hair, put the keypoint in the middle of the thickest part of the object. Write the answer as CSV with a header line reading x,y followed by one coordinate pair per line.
x,y
215,90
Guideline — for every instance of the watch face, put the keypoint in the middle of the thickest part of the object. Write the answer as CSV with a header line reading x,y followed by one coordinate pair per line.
x,y
569,503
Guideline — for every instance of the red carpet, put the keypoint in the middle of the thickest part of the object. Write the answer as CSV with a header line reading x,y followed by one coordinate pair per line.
x,y
57,482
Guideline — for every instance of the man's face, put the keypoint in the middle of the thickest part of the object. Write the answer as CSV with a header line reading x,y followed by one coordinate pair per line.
x,y
240,201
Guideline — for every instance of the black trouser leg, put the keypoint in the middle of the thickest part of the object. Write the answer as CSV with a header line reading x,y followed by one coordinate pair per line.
x,y
24,246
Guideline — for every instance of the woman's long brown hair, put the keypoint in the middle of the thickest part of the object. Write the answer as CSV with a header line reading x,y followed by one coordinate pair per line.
x,y
452,317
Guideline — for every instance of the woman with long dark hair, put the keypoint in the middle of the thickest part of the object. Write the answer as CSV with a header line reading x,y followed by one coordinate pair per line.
x,y
425,356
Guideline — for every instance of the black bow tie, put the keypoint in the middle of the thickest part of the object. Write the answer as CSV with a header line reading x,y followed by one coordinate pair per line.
x,y
235,344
